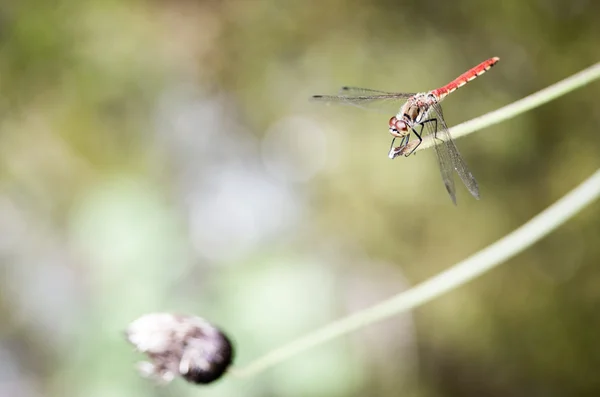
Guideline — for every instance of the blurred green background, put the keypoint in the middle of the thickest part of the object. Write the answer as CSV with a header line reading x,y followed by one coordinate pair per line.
x,y
164,156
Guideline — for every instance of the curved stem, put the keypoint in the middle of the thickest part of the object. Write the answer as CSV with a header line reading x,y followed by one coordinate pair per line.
x,y
529,102
461,273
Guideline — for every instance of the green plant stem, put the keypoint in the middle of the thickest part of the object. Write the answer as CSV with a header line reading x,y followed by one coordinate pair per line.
x,y
461,273
529,102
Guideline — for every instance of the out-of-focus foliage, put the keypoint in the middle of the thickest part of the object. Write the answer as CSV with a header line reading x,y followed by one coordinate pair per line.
x,y
164,156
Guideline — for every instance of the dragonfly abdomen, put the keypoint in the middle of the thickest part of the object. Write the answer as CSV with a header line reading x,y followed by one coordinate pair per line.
x,y
464,78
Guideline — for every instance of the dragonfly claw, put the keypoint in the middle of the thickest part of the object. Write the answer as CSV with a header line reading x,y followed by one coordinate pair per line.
x,y
395,152
405,150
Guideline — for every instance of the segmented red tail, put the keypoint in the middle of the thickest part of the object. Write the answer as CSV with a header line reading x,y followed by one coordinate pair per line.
x,y
464,78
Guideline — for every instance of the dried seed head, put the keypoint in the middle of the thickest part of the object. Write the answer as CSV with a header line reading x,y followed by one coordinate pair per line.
x,y
187,346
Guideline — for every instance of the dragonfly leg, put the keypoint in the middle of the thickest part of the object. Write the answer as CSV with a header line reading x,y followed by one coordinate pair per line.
x,y
435,121
395,151
435,128
418,134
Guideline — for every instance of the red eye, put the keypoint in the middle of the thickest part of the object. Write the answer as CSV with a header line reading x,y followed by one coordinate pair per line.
x,y
397,125
401,125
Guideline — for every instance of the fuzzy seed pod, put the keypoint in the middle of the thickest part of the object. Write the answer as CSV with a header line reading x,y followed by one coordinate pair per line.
x,y
187,346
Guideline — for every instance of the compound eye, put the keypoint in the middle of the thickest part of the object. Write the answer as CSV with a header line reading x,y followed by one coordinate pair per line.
x,y
393,130
400,125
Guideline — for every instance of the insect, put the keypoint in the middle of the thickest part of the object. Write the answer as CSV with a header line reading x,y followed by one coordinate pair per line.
x,y
421,111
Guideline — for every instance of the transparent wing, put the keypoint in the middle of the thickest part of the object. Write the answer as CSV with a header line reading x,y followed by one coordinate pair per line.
x,y
358,92
364,98
449,157
443,156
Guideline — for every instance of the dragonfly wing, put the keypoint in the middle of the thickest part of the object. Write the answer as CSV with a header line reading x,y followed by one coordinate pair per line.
x,y
443,156
450,151
358,91
364,98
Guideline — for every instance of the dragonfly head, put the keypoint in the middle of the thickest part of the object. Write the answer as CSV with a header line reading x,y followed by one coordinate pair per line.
x,y
398,128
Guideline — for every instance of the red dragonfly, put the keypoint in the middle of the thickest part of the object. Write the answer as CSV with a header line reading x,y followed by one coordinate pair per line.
x,y
422,110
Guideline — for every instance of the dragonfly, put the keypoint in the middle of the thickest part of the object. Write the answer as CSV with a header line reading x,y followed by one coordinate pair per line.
x,y
421,112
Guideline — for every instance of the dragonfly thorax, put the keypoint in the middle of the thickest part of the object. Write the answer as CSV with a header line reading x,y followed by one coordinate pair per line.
x,y
411,111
